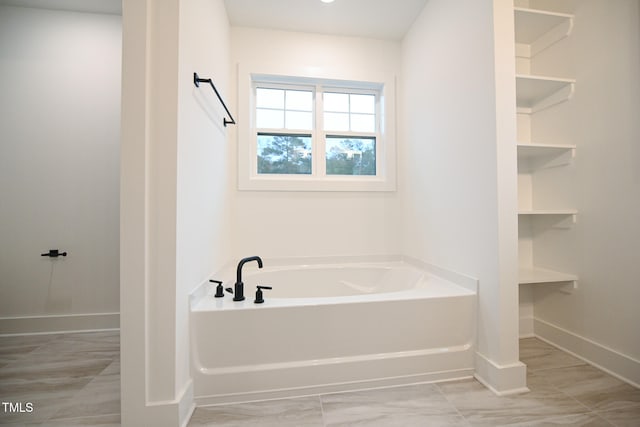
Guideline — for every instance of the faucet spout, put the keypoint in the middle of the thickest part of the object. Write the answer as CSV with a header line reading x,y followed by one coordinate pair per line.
x,y
238,294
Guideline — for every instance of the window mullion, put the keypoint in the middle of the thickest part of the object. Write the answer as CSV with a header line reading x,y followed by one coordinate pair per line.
x,y
380,145
319,136
351,134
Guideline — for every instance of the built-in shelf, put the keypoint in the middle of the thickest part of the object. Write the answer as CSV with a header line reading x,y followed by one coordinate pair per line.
x,y
536,29
529,275
535,156
528,150
536,93
548,212
571,213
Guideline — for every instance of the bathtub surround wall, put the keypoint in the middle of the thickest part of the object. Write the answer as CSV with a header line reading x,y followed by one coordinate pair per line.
x,y
598,320
459,199
59,154
313,223
174,195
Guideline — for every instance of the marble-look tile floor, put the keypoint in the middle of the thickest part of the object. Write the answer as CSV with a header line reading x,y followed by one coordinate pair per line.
x,y
68,379
565,391
73,380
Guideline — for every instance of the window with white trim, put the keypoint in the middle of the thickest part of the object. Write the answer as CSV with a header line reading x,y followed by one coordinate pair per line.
x,y
316,130
315,134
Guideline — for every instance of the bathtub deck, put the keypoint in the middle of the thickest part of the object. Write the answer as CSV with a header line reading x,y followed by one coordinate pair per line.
x,y
436,288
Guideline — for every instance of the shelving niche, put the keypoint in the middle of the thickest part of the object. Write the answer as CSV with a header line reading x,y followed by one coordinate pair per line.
x,y
535,31
537,93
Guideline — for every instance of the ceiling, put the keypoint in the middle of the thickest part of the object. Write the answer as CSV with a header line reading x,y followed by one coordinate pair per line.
x,y
112,7
381,19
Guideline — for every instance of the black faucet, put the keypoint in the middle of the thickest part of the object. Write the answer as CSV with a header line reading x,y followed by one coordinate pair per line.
x,y
238,294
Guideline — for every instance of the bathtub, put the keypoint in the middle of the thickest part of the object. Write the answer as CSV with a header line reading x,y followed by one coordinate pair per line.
x,y
331,324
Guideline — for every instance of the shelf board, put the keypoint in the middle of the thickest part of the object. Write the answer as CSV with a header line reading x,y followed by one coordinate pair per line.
x,y
542,275
536,93
534,26
548,212
540,156
550,218
528,150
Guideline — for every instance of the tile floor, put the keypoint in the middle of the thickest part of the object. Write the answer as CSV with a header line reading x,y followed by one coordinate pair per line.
x,y
73,380
70,379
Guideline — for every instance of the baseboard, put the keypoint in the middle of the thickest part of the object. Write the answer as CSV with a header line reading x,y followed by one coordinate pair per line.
x,y
526,327
502,380
169,413
49,324
611,361
186,404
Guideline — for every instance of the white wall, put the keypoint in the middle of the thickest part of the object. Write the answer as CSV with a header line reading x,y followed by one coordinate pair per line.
x,y
458,164
313,223
204,169
599,320
59,165
175,198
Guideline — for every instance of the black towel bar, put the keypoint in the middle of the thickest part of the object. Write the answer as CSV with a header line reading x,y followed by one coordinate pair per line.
x,y
197,80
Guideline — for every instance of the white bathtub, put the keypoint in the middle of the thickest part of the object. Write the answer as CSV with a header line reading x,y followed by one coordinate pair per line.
x,y
331,325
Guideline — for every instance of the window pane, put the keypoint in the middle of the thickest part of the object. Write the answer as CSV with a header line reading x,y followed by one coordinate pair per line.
x,y
336,102
284,154
269,119
350,156
336,121
299,100
298,120
363,123
270,98
363,104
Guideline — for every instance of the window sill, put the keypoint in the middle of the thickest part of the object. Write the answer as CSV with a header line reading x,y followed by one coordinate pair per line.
x,y
297,183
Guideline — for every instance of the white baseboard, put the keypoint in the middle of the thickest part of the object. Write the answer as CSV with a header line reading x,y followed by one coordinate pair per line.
x,y
502,380
611,361
169,413
49,324
186,404
526,327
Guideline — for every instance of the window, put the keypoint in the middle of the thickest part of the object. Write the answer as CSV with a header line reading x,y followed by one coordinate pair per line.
x,y
296,124
308,134
284,120
355,114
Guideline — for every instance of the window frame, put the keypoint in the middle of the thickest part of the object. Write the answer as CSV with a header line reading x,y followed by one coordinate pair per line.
x,y
318,132
248,176
377,134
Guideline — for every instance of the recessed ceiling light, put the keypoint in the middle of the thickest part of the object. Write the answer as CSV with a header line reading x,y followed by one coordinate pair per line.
x,y
327,1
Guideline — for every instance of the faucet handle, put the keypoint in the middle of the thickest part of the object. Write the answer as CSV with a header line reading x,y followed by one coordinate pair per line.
x,y
259,297
219,289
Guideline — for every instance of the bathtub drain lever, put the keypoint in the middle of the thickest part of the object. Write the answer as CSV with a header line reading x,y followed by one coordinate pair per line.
x,y
259,298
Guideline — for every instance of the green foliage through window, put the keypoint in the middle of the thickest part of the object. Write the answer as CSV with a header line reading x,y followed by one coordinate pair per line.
x,y
350,156
284,154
